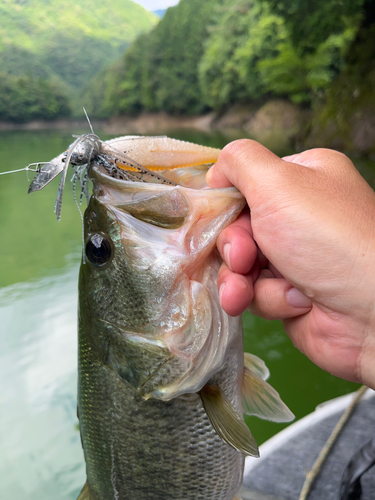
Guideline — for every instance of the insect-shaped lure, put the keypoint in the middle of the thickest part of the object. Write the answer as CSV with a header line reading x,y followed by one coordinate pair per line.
x,y
84,150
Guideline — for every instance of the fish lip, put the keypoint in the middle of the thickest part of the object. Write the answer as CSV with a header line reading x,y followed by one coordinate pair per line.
x,y
97,173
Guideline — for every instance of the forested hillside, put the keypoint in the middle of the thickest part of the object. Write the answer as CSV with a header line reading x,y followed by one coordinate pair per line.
x,y
160,70
59,45
208,55
211,55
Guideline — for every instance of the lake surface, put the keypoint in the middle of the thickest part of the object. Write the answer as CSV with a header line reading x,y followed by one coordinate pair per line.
x,y
40,450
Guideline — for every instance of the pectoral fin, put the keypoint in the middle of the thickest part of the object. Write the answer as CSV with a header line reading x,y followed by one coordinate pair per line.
x,y
260,399
229,426
256,365
86,493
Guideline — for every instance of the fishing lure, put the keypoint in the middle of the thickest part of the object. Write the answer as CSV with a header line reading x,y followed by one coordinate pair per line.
x,y
86,149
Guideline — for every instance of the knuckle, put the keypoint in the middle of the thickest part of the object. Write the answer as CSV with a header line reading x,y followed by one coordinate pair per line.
x,y
236,149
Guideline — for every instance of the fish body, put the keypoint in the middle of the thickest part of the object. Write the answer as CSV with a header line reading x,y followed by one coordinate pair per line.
x,y
151,335
153,449
163,381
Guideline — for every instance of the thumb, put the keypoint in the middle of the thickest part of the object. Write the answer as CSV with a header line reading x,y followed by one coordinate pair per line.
x,y
248,166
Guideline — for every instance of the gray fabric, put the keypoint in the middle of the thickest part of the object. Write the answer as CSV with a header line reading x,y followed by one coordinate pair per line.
x,y
245,494
282,474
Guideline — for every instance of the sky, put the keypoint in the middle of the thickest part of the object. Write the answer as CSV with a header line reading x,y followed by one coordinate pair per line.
x,y
156,4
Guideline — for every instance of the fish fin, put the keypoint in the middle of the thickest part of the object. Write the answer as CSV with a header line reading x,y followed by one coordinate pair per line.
x,y
256,365
86,493
226,422
260,399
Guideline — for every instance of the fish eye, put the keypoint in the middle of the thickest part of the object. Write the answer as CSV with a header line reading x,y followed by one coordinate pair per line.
x,y
98,250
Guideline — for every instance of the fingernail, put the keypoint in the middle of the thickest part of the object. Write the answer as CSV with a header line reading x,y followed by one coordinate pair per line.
x,y
221,290
297,298
226,252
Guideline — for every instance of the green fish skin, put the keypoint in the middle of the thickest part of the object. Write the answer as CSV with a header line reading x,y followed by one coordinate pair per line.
x,y
151,335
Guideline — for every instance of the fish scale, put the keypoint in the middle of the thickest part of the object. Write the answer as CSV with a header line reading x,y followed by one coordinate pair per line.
x,y
154,449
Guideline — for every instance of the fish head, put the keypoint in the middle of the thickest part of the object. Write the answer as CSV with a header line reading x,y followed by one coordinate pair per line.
x,y
148,291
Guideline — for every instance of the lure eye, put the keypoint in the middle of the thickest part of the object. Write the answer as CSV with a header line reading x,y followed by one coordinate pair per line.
x,y
98,250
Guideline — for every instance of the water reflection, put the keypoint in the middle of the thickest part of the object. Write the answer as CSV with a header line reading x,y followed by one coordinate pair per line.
x,y
41,456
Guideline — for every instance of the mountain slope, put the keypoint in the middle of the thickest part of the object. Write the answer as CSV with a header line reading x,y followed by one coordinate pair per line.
x,y
66,40
160,70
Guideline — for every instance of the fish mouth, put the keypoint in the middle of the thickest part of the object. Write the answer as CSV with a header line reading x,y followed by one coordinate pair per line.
x,y
100,174
184,336
189,178
155,159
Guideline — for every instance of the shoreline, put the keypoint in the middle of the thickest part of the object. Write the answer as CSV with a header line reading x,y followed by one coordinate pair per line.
x,y
141,124
277,123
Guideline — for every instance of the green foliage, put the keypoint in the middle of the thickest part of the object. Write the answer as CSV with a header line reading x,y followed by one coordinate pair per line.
x,y
176,49
70,39
134,89
299,77
102,94
160,70
311,22
210,54
245,33
66,41
18,61
26,98
119,87
349,102
202,55
250,53
75,60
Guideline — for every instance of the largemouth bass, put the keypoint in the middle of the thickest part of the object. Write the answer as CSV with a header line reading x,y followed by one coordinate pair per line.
x,y
163,381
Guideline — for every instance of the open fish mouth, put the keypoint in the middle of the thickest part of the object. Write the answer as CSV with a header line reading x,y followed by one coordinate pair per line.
x,y
168,235
158,160
153,191
128,158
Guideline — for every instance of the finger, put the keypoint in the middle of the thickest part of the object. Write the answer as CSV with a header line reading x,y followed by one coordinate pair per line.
x,y
275,298
261,175
235,290
243,164
236,245
276,273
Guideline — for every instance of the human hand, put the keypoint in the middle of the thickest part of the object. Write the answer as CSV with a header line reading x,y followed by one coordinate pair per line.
x,y
306,255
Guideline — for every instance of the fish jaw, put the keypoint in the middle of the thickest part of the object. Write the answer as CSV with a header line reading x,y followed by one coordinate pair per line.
x,y
161,153
162,278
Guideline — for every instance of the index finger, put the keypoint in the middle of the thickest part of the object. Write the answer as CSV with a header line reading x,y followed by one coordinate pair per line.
x,y
236,245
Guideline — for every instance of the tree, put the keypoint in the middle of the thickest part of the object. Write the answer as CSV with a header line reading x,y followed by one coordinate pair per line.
x,y
26,98
311,22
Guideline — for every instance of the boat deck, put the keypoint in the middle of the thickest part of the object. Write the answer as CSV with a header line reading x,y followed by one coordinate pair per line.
x,y
285,459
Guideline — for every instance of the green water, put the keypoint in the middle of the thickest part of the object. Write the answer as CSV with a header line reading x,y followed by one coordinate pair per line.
x,y
40,451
